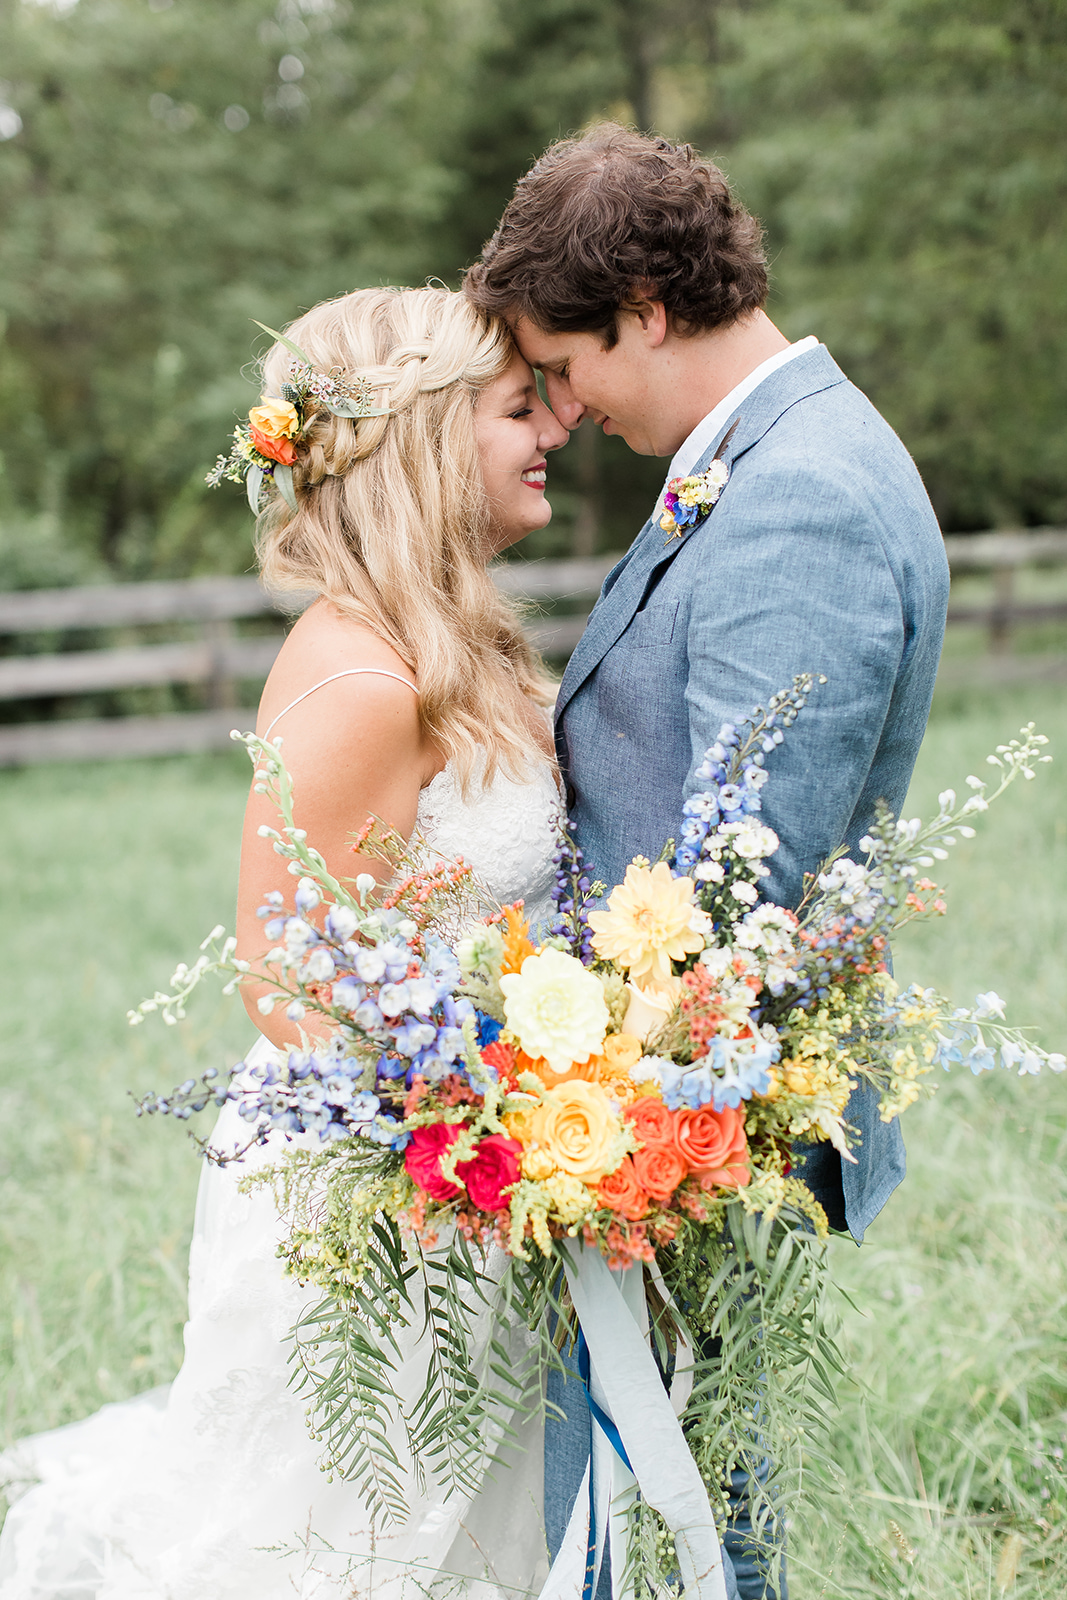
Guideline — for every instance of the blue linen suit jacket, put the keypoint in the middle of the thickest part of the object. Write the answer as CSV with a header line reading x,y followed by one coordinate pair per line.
x,y
822,555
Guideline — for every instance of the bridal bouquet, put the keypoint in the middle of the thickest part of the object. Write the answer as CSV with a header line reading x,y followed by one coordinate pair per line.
x,y
636,1078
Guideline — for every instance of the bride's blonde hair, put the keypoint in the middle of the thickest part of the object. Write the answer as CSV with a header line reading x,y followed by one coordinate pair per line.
x,y
392,520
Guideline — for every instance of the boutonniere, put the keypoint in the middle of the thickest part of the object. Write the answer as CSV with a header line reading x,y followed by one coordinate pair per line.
x,y
687,501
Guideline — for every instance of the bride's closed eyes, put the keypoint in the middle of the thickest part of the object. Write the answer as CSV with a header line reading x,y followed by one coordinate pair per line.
x,y
515,431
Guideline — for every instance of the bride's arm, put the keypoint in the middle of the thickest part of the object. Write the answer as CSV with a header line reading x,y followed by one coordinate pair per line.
x,y
353,748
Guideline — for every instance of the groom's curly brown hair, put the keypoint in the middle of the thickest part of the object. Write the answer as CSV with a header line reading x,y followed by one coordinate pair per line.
x,y
611,217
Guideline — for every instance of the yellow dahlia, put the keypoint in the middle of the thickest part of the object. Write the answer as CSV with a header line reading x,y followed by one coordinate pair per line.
x,y
650,921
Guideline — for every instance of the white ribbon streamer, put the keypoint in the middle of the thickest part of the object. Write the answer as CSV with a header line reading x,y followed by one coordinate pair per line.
x,y
627,1384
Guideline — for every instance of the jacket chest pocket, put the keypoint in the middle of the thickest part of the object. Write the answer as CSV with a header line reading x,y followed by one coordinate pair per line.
x,y
653,627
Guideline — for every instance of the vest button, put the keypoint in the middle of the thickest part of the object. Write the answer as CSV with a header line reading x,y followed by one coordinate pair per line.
x,y
572,796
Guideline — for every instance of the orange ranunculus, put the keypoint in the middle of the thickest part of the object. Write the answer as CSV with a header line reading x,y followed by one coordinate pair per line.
x,y
589,1070
714,1146
659,1169
621,1192
651,1121
280,450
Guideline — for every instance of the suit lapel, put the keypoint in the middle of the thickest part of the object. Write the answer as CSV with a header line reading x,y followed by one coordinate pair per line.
x,y
806,375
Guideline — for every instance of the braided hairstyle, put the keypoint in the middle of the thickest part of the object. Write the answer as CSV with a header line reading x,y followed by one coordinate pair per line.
x,y
392,520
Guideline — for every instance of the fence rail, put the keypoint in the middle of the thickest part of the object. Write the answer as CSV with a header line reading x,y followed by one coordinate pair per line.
x,y
222,661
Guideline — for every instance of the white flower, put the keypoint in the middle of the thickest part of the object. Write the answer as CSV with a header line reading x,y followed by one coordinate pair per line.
x,y
341,923
988,1005
422,996
555,1008
393,999
778,976
297,936
482,950
718,960
649,1069
1056,1062
754,841
370,965
319,967
708,872
748,934
747,892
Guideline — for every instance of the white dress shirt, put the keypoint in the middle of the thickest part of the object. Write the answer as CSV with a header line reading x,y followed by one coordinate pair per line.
x,y
706,431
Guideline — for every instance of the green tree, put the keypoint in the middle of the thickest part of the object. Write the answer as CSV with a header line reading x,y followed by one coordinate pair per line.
x,y
181,169
909,159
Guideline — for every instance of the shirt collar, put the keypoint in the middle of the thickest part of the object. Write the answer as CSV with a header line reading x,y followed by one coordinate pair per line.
x,y
706,431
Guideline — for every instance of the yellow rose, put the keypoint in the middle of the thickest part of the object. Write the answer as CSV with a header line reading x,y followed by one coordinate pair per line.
x,y
276,418
577,1129
621,1051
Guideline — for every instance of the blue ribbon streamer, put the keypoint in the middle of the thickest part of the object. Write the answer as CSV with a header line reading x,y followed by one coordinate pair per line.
x,y
611,1432
600,1416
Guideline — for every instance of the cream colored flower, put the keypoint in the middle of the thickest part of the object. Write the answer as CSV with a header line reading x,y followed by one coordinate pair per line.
x,y
555,1008
648,923
649,1008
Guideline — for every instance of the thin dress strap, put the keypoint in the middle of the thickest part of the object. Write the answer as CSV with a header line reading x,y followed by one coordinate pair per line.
x,y
349,672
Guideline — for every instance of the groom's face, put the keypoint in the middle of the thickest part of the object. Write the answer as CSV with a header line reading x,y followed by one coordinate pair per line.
x,y
614,387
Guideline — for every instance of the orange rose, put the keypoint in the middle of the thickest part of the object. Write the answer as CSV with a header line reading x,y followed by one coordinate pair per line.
x,y
621,1192
659,1169
280,450
713,1145
651,1121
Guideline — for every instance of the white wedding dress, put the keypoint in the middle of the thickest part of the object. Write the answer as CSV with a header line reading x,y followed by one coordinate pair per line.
x,y
210,1489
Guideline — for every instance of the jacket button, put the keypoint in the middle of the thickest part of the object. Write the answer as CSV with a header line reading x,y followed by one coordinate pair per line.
x,y
572,796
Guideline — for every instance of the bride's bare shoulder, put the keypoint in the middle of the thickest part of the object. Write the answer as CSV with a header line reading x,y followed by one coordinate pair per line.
x,y
324,644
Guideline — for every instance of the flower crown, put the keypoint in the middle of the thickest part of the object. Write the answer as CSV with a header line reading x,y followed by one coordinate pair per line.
x,y
265,445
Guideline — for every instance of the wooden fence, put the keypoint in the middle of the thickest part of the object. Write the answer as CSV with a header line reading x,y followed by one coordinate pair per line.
x,y
223,662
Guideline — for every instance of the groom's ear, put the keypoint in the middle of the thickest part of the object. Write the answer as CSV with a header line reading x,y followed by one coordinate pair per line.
x,y
650,314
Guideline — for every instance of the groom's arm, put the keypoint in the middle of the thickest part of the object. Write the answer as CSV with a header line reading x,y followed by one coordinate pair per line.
x,y
794,578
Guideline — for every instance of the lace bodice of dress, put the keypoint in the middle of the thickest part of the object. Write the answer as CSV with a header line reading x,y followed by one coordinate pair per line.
x,y
506,832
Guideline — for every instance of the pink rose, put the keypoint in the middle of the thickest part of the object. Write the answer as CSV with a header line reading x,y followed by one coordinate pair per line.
x,y
493,1168
422,1159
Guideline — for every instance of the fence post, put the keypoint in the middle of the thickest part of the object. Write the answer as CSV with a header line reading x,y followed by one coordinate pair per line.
x,y
222,687
1000,615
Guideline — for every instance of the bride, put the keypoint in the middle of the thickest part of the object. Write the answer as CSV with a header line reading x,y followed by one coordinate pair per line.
x,y
406,690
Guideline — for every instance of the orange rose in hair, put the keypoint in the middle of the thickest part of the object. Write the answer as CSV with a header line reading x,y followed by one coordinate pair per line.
x,y
280,450
621,1192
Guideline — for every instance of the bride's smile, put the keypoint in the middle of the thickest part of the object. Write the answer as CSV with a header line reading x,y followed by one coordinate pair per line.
x,y
515,430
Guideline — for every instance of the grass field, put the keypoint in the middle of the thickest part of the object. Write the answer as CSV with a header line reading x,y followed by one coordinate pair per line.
x,y
945,1473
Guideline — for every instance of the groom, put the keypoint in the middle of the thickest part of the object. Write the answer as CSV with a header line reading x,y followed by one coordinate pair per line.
x,y
635,282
